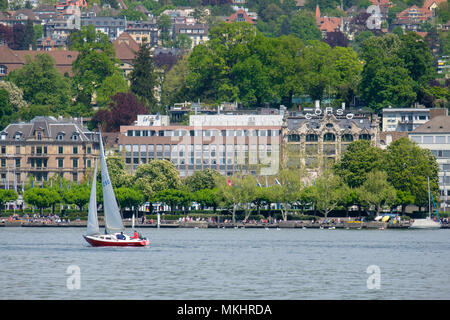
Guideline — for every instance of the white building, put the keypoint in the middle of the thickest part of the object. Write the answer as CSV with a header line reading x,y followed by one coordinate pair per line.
x,y
404,119
435,136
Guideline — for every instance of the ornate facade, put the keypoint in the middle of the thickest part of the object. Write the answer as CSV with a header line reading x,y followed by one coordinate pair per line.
x,y
315,136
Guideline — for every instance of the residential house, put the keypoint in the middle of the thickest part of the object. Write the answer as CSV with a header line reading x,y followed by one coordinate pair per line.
x,y
328,24
126,48
198,33
111,26
144,31
14,59
241,15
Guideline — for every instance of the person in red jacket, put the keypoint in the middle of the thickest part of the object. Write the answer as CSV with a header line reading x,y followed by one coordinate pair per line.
x,y
135,235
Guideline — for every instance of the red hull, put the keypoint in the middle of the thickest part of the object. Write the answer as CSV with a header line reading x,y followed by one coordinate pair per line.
x,y
116,243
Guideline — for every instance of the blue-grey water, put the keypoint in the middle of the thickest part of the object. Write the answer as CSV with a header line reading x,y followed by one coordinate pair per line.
x,y
209,264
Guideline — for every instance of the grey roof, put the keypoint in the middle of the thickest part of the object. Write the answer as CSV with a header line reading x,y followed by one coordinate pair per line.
x,y
439,124
316,122
51,127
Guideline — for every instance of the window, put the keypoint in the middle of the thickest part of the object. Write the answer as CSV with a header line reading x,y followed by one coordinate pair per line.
x,y
60,163
428,139
440,139
312,138
329,137
75,150
347,138
3,70
60,136
75,162
60,150
39,136
294,138
364,136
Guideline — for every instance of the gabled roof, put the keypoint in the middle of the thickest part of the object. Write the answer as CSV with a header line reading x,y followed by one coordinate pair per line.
x,y
243,14
126,47
439,124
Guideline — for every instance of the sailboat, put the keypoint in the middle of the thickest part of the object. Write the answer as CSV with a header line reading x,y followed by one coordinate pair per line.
x,y
114,227
428,222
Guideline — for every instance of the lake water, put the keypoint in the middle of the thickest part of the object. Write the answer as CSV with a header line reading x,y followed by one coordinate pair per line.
x,y
211,264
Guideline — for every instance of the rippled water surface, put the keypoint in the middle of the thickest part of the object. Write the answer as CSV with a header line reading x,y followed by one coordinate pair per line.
x,y
227,264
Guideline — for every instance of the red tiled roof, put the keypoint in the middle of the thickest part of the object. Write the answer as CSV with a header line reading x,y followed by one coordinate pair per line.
x,y
244,14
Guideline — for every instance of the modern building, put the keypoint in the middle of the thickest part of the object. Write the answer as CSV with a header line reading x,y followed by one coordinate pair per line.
x,y
111,26
227,143
407,119
45,147
435,136
316,135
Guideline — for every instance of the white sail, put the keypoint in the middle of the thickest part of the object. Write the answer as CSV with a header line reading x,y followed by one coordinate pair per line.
x,y
92,225
113,219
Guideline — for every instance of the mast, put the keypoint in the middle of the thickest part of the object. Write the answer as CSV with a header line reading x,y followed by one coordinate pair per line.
x,y
429,201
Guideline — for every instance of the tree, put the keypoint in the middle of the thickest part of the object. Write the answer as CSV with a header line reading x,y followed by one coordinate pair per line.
x,y
408,168
358,160
288,191
112,85
42,83
173,197
28,40
200,180
376,191
158,175
207,198
143,78
329,190
6,196
95,62
164,24
174,87
123,110
129,197
78,195
304,26
41,197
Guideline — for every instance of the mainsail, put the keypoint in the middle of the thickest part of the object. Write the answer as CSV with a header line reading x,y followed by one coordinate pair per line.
x,y
113,219
92,225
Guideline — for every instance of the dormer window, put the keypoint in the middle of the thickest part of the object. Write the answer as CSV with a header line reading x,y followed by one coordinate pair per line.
x,y
4,135
60,136
18,136
74,136
39,135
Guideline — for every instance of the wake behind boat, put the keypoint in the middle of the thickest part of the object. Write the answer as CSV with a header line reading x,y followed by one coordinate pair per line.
x,y
113,220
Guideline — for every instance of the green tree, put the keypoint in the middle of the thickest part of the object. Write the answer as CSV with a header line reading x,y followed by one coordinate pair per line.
x,y
164,24
358,160
95,62
304,26
173,198
110,86
6,196
78,195
376,191
158,175
330,190
42,83
143,78
207,198
288,191
41,197
200,180
129,197
408,167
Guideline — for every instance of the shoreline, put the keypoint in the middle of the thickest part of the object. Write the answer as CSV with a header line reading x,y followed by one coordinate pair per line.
x,y
228,225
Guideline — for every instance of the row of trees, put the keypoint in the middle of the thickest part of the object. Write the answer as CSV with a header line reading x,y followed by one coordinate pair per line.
x,y
366,176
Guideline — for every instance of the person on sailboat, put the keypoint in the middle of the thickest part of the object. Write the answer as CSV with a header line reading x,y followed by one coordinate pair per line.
x,y
121,236
135,235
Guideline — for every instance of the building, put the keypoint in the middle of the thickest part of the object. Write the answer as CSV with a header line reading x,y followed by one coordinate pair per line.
x,y
241,16
15,59
144,32
198,33
111,26
126,49
227,143
407,119
435,136
314,135
45,147
328,24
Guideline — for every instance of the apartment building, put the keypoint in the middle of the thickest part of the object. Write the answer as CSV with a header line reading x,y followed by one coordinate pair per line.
x,y
45,147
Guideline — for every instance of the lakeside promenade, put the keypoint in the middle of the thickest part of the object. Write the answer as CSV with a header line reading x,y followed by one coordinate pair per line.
x,y
298,224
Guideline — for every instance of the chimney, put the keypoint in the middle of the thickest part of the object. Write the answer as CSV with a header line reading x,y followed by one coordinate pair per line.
x,y
317,104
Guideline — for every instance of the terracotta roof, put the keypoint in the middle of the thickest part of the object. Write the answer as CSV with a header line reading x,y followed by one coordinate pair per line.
x,y
15,59
244,15
440,124
126,47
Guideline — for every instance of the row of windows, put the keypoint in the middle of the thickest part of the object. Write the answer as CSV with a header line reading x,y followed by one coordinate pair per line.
x,y
327,137
430,139
203,133
40,150
441,153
